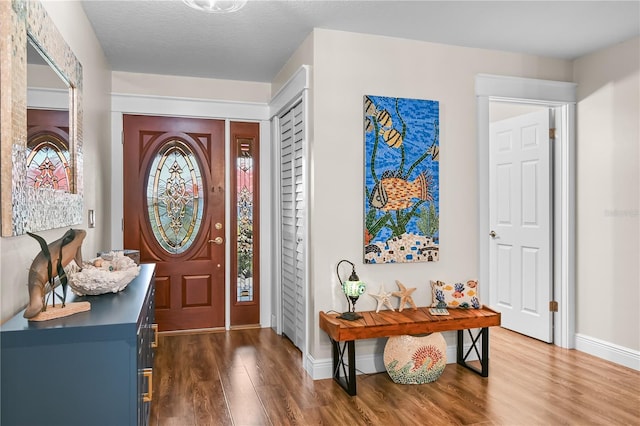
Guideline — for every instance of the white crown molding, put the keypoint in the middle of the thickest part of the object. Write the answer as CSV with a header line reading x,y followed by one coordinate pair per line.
x,y
505,87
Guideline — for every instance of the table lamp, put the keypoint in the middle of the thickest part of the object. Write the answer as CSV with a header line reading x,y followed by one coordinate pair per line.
x,y
352,289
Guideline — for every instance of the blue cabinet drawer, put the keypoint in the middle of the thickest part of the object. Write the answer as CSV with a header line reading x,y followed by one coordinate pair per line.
x,y
82,369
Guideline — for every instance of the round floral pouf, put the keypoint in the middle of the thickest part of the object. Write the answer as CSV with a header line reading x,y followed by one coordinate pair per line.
x,y
414,360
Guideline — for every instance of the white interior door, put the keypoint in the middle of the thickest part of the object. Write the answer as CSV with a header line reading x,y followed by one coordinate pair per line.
x,y
292,196
520,272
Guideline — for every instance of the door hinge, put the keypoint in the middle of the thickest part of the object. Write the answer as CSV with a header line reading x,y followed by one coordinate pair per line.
x,y
122,222
552,134
553,306
122,137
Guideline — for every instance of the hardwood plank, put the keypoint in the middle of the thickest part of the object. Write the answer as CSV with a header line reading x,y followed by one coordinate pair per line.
x,y
280,404
209,404
243,402
254,377
176,404
176,421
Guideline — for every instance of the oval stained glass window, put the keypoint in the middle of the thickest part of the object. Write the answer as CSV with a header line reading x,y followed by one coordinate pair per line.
x,y
174,197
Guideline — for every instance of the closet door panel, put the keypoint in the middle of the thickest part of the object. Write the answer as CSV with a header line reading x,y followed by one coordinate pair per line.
x,y
298,176
292,219
287,211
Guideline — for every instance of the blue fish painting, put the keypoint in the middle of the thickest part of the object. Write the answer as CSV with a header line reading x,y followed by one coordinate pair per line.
x,y
402,158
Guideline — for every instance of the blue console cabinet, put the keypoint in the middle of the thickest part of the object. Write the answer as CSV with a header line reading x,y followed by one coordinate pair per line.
x,y
91,368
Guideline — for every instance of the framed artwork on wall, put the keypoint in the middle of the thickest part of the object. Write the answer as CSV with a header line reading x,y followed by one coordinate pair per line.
x,y
402,153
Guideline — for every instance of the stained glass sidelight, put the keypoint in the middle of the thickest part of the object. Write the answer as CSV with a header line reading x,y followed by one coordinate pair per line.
x,y
48,163
245,198
174,197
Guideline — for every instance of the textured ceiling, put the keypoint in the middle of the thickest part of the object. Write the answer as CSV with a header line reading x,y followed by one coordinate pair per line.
x,y
167,37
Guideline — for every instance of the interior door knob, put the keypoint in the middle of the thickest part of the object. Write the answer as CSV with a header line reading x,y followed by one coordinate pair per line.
x,y
493,234
217,240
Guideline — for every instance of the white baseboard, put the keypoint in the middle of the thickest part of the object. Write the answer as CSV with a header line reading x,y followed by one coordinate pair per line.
x,y
367,364
608,351
374,363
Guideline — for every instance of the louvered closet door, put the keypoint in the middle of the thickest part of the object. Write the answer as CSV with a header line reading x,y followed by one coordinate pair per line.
x,y
292,219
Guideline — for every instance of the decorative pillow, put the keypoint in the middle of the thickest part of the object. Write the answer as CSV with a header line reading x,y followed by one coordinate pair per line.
x,y
459,295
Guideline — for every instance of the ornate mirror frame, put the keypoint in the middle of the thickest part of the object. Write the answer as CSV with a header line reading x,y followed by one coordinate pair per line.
x,y
29,209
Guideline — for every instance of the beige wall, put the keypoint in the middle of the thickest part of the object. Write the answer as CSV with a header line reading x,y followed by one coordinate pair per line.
x,y
17,253
504,110
190,87
43,76
348,66
302,56
608,190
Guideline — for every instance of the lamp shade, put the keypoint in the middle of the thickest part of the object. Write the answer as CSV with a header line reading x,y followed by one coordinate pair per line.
x,y
354,288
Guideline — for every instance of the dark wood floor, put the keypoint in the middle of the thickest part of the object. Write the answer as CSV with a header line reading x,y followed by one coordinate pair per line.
x,y
255,377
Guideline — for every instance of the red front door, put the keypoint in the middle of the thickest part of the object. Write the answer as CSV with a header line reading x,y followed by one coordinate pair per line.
x,y
174,213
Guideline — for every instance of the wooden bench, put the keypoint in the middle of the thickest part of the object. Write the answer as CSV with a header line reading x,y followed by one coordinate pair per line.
x,y
409,321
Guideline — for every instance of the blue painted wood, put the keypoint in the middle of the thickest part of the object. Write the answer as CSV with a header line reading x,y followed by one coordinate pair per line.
x,y
84,369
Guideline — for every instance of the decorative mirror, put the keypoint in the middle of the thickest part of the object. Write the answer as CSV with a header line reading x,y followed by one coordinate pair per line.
x,y
40,123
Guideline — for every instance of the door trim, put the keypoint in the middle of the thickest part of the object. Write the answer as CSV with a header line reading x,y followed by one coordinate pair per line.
x,y
294,90
197,108
562,97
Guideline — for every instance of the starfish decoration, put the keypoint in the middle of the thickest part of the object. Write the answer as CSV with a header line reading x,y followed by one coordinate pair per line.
x,y
383,299
405,296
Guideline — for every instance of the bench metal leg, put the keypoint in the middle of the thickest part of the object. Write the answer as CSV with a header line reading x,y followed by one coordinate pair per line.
x,y
484,358
345,373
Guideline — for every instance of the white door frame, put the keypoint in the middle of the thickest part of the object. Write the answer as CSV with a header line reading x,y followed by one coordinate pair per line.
x,y
294,90
562,97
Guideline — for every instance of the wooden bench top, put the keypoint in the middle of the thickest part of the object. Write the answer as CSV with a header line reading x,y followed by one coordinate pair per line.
x,y
391,323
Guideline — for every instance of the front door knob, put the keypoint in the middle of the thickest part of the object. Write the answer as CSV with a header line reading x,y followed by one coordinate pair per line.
x,y
217,240
492,234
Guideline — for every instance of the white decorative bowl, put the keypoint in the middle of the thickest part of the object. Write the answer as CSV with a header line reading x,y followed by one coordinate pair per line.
x,y
100,276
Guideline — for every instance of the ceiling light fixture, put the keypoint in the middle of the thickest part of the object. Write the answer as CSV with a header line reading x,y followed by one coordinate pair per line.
x,y
216,6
